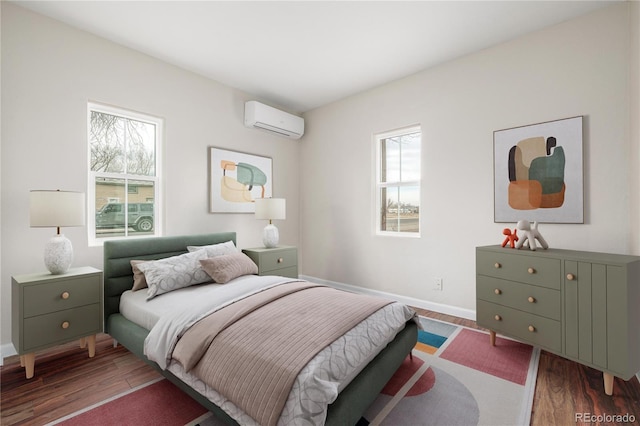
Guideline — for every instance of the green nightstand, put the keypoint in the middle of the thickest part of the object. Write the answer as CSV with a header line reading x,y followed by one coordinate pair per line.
x,y
282,260
48,310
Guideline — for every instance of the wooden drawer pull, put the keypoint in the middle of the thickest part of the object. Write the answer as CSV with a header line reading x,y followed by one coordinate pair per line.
x,y
497,265
280,260
571,277
65,325
497,318
497,291
532,329
531,299
531,271
65,295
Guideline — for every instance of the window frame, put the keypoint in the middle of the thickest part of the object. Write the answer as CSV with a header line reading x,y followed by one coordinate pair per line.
x,y
379,185
156,178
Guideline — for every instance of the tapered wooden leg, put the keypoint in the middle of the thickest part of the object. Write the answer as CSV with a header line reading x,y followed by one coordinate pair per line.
x,y
608,383
492,337
29,363
92,345
22,361
83,342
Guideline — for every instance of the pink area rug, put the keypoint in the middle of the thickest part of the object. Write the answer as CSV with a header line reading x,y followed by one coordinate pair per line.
x,y
160,403
455,378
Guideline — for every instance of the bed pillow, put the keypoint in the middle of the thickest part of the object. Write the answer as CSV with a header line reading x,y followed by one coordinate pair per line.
x,y
139,281
216,249
226,267
173,273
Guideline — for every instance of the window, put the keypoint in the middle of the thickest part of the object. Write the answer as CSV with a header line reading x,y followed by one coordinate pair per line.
x,y
124,176
398,182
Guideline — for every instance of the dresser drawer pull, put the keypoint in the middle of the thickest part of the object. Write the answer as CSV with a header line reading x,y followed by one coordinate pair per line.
x,y
531,271
532,329
497,318
571,277
65,325
497,291
65,295
531,299
497,265
280,260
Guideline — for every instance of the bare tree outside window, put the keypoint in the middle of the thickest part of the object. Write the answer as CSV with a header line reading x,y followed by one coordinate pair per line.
x,y
121,145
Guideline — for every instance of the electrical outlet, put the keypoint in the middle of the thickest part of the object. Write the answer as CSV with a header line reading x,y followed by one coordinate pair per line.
x,y
437,284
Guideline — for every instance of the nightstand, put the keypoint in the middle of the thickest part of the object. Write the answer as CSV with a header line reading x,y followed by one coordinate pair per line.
x,y
48,310
282,260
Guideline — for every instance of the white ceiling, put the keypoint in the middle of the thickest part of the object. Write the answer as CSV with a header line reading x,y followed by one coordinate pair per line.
x,y
303,54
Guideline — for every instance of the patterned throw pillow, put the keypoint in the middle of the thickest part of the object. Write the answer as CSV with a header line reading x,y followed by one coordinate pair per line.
x,y
173,273
229,266
216,249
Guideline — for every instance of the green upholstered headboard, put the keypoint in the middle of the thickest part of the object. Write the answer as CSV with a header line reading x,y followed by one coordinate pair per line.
x,y
118,275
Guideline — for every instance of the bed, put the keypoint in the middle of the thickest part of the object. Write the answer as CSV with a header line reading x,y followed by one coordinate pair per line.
x,y
352,400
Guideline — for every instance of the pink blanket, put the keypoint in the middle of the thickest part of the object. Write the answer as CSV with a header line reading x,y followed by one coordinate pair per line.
x,y
252,350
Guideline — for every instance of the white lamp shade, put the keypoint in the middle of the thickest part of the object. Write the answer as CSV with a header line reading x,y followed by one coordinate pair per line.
x,y
56,208
271,208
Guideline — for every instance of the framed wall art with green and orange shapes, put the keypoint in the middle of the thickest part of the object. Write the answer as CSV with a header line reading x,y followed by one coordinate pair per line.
x,y
538,172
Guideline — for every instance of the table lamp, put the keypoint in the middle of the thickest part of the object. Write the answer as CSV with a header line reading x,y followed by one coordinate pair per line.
x,y
55,209
270,209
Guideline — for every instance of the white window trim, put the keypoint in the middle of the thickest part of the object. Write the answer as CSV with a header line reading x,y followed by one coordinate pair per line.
x,y
91,184
378,184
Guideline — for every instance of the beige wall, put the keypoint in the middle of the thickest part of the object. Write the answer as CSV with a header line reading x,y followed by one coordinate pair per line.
x,y
580,67
634,120
49,73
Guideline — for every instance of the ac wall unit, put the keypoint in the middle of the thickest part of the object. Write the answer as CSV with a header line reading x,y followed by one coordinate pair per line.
x,y
261,116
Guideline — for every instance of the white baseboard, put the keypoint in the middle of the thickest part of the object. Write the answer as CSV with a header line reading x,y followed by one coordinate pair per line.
x,y
418,303
6,350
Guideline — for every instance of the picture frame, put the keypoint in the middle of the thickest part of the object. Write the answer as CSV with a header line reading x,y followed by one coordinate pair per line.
x,y
538,172
236,179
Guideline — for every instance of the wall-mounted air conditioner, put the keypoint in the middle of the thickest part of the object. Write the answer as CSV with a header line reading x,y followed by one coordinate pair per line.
x,y
264,117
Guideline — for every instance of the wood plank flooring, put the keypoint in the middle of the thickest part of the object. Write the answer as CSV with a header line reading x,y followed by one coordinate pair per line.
x,y
66,380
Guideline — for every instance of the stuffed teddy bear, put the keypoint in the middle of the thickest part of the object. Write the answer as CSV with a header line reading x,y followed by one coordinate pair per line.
x,y
530,233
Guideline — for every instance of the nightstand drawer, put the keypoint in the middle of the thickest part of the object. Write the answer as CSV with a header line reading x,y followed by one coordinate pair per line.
x,y
60,295
529,298
530,328
278,259
534,270
291,272
44,330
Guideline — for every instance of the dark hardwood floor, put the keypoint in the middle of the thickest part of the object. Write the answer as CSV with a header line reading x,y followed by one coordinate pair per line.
x,y
66,380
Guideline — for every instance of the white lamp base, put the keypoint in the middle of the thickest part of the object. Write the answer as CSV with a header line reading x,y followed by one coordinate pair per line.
x,y
58,254
270,236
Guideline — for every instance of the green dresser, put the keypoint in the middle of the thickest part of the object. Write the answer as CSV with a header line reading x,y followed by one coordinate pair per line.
x,y
584,306
48,310
282,260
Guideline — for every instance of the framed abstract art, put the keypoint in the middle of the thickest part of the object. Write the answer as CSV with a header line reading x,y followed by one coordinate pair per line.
x,y
538,172
236,179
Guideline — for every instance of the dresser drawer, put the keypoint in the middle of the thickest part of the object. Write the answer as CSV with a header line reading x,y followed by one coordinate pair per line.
x,y
525,297
278,259
546,332
44,330
60,295
536,270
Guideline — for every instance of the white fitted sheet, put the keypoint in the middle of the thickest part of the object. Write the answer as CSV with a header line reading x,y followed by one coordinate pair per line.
x,y
136,308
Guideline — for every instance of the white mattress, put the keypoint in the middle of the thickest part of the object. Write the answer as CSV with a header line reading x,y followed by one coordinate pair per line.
x,y
135,307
